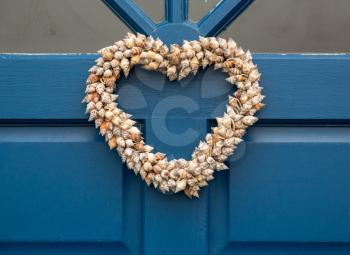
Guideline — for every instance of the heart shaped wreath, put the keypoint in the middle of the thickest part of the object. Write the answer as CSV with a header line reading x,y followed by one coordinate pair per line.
x,y
177,62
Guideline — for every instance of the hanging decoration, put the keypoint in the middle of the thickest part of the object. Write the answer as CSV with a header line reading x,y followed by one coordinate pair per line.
x,y
176,62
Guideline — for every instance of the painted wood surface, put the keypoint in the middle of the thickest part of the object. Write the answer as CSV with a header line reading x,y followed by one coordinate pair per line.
x,y
63,191
299,87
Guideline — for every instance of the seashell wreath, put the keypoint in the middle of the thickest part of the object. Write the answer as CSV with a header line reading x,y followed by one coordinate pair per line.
x,y
177,62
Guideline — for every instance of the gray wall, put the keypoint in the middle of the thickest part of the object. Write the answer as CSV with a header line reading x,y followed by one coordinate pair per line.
x,y
87,25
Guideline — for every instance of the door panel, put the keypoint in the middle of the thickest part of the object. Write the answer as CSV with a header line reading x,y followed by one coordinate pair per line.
x,y
290,186
310,87
59,183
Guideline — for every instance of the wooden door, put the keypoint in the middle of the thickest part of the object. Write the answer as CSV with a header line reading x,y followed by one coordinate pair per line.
x,y
63,192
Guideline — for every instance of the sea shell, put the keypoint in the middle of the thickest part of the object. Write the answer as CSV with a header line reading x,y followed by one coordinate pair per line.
x,y
194,63
165,174
171,73
207,172
184,72
180,185
190,53
105,126
164,64
148,44
157,58
225,121
164,187
101,112
112,143
93,114
239,52
93,78
90,106
118,55
258,106
221,166
98,122
116,71
185,63
143,173
100,88
128,151
127,53
231,44
210,56
218,66
92,97
136,50
229,63
151,66
106,65
109,81
149,178
125,66
205,42
174,57
222,43
164,50
254,76
249,120
129,42
213,43
205,63
135,60
120,142
129,143
99,62
157,44
93,69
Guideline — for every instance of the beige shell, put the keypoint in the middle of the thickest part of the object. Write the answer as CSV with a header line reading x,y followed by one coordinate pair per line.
x,y
125,66
172,73
194,63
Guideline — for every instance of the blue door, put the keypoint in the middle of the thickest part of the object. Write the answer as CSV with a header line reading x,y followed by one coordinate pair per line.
x,y
63,192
